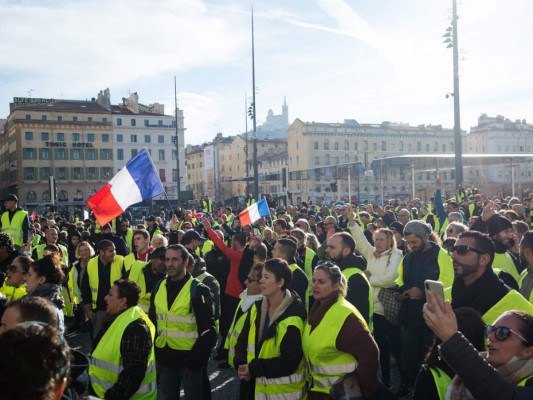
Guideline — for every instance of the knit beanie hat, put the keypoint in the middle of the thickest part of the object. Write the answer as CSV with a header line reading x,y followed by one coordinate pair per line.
x,y
497,223
418,228
396,226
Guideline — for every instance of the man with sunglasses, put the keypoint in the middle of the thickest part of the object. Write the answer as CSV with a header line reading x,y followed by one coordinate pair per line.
x,y
476,285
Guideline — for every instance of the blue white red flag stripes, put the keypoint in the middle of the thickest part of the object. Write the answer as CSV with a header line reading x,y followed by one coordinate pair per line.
x,y
136,182
254,212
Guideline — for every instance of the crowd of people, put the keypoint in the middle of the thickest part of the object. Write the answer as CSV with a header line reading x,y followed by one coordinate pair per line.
x,y
315,301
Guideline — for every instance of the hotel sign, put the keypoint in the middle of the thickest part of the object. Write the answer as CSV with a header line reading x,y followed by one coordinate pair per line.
x,y
64,144
31,100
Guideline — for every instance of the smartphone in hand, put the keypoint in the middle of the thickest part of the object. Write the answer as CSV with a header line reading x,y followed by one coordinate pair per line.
x,y
438,290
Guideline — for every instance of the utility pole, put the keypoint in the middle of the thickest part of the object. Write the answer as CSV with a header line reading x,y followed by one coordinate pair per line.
x,y
178,186
254,118
246,145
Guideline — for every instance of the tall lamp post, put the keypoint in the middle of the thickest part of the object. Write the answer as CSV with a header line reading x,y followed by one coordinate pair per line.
x,y
178,179
451,39
253,109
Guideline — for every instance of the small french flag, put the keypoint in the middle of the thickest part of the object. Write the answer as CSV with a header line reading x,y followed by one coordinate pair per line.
x,y
136,182
254,212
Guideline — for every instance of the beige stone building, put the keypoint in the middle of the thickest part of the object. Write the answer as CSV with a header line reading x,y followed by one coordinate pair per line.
x,y
71,140
195,170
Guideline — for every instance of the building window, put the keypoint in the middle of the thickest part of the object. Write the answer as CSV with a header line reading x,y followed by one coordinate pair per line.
x,y
146,123
61,154
120,154
133,152
315,145
28,135
75,137
326,159
78,196
174,175
92,173
61,173
375,146
174,155
346,145
104,120
28,154
365,145
45,173
161,155
105,172
43,118
356,145
74,119
105,154
105,137
44,136
46,195
75,154
418,146
119,121
44,154
133,138
90,137
28,117
427,147
336,145
401,146
326,144
90,154
60,137
77,173
89,119
133,122
29,173
120,138
160,139
160,123
147,139
162,175
31,195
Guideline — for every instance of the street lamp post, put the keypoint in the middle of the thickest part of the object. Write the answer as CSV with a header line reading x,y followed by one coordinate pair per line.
x,y
178,188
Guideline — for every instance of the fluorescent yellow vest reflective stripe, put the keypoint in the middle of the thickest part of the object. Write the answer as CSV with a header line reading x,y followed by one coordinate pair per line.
x,y
524,381
106,361
235,331
92,273
325,363
285,387
505,262
348,272
176,328
137,276
442,381
12,292
13,228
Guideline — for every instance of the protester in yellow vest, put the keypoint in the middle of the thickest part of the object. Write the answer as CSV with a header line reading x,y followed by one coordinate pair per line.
x,y
182,310
13,287
336,339
97,279
125,342
15,222
526,256
278,367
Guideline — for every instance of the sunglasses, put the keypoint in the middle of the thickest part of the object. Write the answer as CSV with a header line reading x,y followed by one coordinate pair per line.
x,y
463,249
502,333
326,263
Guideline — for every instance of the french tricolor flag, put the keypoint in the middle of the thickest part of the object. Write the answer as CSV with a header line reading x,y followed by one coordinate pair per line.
x,y
254,212
136,182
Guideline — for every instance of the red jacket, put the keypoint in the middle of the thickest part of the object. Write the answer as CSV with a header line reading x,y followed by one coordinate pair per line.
x,y
233,285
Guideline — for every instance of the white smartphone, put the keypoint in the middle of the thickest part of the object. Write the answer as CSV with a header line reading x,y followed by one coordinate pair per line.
x,y
438,290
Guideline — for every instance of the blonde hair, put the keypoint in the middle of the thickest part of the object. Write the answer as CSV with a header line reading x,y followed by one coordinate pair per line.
x,y
86,244
390,237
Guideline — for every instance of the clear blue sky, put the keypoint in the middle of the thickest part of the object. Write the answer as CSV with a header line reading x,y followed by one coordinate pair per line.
x,y
374,61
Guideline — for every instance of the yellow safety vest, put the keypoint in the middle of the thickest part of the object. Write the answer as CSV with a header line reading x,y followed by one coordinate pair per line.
x,y
207,206
176,328
129,240
521,281
137,276
289,387
308,269
64,252
511,301
326,364
130,261
505,262
13,228
92,272
12,292
348,272
235,331
442,381
106,361
446,274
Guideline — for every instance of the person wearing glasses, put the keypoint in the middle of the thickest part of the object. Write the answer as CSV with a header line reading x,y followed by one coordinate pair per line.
x,y
336,341
454,229
476,284
13,287
504,372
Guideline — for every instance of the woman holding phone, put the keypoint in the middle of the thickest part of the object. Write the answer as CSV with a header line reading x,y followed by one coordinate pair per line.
x,y
504,372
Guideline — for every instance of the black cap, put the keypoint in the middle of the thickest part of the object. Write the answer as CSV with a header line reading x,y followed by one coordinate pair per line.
x,y
159,252
10,197
150,218
105,226
191,235
396,226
